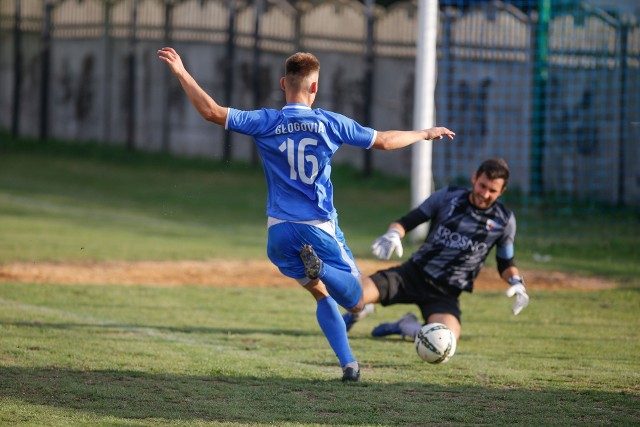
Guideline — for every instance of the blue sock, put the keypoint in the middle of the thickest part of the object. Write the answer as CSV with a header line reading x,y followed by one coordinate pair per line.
x,y
342,286
334,329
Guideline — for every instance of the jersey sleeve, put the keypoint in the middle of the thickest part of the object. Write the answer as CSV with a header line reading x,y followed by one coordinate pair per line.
x,y
350,132
422,213
504,247
252,122
412,219
431,205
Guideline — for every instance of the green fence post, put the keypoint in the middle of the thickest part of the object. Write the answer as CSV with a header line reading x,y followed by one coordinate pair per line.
x,y
540,76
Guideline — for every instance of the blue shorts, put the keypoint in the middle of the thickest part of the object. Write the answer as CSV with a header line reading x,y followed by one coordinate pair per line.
x,y
285,240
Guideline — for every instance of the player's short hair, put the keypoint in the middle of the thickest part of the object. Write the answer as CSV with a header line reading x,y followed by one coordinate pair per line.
x,y
300,65
494,168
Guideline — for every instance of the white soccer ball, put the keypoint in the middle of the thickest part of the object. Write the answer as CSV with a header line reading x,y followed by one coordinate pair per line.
x,y
435,343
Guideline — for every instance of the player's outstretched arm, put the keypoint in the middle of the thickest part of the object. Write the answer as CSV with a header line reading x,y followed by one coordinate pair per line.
x,y
393,139
206,106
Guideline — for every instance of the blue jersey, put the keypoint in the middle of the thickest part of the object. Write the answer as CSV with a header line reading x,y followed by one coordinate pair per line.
x,y
296,145
461,236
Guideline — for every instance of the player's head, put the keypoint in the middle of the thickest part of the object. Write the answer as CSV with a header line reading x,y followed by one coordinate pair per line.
x,y
489,182
301,72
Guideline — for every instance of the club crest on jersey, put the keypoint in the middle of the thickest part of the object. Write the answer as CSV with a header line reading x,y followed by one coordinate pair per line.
x,y
492,225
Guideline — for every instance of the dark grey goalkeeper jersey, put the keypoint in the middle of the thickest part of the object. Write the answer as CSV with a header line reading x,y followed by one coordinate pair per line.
x,y
461,236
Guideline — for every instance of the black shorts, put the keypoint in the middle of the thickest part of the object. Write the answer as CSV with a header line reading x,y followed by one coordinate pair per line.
x,y
406,284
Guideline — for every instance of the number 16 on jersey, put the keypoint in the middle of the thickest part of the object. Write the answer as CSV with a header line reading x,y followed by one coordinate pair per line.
x,y
297,159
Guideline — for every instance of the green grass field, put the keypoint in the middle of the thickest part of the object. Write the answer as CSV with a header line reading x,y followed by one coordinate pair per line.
x,y
187,355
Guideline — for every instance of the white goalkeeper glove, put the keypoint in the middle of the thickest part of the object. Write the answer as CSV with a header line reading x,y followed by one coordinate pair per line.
x,y
517,288
384,246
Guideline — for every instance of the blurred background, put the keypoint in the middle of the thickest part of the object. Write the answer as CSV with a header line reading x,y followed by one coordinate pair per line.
x,y
106,166
547,84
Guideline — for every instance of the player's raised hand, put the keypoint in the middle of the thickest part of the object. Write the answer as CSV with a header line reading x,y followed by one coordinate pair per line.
x,y
171,57
522,298
384,246
208,108
439,132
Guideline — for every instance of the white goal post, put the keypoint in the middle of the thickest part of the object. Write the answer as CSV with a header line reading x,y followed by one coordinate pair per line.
x,y
424,106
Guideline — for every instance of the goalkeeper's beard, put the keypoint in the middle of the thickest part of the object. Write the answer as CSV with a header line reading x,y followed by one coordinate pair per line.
x,y
481,202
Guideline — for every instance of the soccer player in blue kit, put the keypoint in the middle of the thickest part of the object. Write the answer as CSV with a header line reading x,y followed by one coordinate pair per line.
x,y
296,145
465,224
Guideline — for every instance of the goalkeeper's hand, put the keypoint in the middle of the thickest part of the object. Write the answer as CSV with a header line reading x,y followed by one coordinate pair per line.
x,y
517,288
384,246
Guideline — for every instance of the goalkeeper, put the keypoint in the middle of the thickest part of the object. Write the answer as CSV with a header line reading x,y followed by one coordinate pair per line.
x,y
465,225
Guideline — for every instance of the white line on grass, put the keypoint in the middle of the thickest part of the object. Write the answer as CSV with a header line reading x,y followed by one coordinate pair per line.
x,y
150,332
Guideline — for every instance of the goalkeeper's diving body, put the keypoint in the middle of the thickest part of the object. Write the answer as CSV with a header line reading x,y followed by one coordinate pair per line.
x,y
465,224
296,145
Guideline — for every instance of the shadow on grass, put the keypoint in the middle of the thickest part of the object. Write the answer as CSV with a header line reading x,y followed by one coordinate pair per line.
x,y
127,394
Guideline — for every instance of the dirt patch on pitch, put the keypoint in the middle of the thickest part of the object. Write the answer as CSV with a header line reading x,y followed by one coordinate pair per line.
x,y
248,273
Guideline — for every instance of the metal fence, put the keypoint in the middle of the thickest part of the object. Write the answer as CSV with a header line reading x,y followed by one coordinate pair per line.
x,y
553,91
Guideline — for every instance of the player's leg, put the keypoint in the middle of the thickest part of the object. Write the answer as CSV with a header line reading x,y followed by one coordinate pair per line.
x,y
406,284
370,296
439,308
448,319
370,291
408,325
283,247
385,286
342,285
330,321
435,308
326,256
